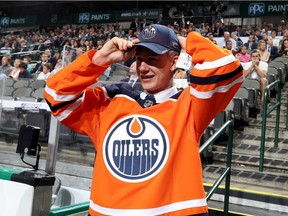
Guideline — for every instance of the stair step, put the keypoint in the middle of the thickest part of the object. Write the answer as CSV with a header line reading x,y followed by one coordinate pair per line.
x,y
253,150
252,161
245,175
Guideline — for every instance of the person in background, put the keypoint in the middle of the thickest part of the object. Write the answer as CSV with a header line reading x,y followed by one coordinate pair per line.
x,y
23,71
16,70
264,54
243,56
27,60
257,69
133,79
6,67
45,74
284,49
251,44
272,50
229,46
39,66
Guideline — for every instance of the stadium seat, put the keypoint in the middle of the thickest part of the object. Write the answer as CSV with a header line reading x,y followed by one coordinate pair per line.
x,y
22,92
253,87
241,107
38,94
36,84
21,83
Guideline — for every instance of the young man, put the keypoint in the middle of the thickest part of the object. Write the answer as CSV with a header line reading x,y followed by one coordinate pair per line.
x,y
148,160
257,69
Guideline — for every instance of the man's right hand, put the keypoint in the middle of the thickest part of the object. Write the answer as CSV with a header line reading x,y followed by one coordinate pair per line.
x,y
114,51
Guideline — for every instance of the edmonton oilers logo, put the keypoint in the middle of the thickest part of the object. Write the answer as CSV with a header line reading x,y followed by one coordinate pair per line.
x,y
149,32
136,148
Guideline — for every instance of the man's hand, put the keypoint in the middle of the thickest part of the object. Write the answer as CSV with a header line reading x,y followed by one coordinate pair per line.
x,y
114,51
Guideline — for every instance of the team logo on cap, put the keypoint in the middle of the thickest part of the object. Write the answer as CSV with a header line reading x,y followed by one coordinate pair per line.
x,y
149,32
136,148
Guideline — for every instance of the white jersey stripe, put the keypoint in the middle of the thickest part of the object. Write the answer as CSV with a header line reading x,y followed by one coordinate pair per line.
x,y
215,64
69,109
58,97
219,89
152,211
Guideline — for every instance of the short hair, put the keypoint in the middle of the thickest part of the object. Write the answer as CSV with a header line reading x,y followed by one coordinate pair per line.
x,y
28,58
48,66
23,65
255,51
8,57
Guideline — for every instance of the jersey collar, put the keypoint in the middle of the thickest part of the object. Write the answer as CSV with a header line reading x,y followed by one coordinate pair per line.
x,y
162,96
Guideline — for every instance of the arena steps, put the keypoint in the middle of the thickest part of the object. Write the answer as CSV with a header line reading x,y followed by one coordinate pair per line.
x,y
267,190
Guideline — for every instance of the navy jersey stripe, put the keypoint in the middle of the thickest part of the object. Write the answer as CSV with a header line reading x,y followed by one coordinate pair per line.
x,y
216,78
61,105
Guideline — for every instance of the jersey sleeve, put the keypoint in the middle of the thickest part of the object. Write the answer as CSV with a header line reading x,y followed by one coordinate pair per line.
x,y
214,79
69,98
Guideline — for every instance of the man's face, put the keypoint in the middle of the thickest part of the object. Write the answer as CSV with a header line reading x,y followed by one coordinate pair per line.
x,y
229,45
5,61
155,71
255,57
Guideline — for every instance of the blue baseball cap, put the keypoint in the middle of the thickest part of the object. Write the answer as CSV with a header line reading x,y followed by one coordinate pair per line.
x,y
159,38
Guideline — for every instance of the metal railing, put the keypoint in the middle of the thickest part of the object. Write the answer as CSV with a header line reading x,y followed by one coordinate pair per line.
x,y
266,112
227,172
70,210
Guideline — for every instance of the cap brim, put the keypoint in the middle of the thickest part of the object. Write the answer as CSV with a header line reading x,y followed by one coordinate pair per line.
x,y
154,47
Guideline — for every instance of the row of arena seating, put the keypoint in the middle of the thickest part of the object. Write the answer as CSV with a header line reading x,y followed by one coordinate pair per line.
x,y
23,89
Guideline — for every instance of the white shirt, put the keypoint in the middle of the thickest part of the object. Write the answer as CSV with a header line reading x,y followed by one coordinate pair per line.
x,y
262,66
43,76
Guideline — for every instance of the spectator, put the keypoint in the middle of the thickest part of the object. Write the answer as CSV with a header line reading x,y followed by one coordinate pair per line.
x,y
133,79
276,41
222,41
264,54
50,58
44,75
5,67
218,31
144,24
134,24
257,69
27,60
160,20
14,74
257,35
284,49
272,50
229,47
251,44
23,71
239,42
39,66
211,38
243,56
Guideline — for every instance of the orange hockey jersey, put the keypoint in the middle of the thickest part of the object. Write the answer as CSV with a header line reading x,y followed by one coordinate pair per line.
x,y
148,160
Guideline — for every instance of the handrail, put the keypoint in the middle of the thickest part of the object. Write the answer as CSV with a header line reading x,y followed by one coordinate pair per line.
x,y
227,171
71,209
264,119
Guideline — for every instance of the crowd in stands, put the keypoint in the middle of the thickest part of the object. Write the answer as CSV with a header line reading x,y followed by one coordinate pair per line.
x,y
50,43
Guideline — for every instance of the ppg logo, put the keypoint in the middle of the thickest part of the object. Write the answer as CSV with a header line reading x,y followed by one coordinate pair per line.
x,y
5,21
84,17
256,9
135,149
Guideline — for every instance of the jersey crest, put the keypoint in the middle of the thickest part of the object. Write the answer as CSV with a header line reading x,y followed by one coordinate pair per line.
x,y
136,148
